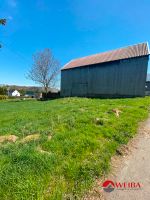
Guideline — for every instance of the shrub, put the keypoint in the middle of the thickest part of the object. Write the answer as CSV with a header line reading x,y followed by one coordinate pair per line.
x,y
2,97
3,90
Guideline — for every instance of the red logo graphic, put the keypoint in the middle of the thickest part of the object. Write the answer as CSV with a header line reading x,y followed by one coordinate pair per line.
x,y
109,186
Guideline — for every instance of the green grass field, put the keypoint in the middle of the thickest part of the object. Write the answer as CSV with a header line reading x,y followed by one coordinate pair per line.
x,y
78,136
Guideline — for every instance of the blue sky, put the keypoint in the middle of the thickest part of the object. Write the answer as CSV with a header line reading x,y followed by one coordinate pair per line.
x,y
71,28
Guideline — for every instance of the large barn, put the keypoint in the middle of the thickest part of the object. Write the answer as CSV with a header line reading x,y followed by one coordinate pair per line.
x,y
117,73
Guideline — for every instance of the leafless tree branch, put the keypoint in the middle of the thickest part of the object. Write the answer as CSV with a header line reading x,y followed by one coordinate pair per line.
x,y
44,69
2,22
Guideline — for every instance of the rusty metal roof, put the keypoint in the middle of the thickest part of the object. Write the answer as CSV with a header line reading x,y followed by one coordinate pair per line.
x,y
118,54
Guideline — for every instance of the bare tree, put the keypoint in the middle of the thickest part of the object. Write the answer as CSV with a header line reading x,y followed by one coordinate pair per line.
x,y
44,69
2,22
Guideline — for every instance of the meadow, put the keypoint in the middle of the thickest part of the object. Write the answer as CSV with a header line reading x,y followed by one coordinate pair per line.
x,y
74,141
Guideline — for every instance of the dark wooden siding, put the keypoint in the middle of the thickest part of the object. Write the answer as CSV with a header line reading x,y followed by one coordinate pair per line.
x,y
119,78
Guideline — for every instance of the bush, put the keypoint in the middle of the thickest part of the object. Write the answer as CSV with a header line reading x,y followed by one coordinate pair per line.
x,y
3,90
13,97
2,97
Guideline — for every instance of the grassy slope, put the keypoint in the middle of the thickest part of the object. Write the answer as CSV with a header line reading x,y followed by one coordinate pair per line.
x,y
80,148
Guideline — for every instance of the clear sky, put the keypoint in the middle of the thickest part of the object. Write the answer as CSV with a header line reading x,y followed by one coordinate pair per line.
x,y
71,28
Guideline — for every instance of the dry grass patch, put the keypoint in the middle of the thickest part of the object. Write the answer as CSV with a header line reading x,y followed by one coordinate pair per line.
x,y
8,138
30,137
49,137
39,149
117,112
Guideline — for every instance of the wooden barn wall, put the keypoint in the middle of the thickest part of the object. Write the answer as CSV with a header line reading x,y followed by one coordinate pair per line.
x,y
120,78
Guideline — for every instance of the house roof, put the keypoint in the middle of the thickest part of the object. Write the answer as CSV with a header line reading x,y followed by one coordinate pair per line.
x,y
12,90
118,54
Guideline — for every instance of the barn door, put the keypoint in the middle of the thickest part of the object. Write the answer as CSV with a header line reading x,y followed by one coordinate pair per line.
x,y
80,89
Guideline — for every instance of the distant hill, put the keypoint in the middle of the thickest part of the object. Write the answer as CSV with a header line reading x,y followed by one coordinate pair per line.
x,y
25,88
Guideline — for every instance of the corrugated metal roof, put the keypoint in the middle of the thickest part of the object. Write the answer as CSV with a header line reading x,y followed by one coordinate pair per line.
x,y
118,54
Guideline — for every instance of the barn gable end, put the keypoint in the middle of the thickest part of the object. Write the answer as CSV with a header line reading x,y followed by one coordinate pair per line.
x,y
113,78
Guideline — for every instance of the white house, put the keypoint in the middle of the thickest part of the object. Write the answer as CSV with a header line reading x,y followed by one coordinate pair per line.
x,y
14,93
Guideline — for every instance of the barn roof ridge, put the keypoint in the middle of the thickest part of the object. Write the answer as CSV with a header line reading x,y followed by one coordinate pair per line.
x,y
109,51
130,51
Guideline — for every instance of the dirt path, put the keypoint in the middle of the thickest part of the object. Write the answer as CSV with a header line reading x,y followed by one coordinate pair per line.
x,y
133,166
